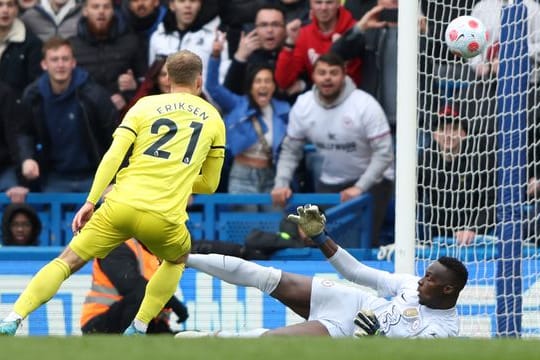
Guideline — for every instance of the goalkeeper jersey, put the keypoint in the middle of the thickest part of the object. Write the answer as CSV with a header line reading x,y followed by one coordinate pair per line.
x,y
396,305
403,316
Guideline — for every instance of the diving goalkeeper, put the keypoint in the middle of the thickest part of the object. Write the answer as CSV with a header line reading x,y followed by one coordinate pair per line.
x,y
418,307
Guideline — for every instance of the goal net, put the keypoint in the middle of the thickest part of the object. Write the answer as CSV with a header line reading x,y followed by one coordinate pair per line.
x,y
478,156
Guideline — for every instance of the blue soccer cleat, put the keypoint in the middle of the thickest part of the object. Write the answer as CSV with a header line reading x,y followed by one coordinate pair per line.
x,y
132,331
9,328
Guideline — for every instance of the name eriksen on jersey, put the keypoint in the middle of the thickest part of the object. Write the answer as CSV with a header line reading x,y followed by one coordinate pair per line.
x,y
195,110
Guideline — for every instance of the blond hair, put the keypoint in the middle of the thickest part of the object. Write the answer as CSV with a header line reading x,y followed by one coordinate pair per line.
x,y
184,67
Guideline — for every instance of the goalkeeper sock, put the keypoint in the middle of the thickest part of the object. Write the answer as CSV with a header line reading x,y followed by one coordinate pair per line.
x,y
237,271
255,333
43,286
159,290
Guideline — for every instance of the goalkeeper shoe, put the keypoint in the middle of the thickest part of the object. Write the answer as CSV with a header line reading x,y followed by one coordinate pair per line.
x,y
192,334
133,331
9,328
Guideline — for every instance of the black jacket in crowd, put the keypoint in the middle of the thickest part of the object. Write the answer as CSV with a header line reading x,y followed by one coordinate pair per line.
x,y
20,62
10,118
98,113
105,60
459,194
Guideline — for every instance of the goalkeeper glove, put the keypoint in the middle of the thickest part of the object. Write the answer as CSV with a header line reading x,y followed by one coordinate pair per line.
x,y
366,324
311,221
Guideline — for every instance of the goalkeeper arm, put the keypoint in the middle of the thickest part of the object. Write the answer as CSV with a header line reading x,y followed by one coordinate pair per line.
x,y
313,223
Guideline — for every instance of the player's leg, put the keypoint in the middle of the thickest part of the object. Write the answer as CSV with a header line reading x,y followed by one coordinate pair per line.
x,y
95,240
308,328
172,243
292,290
43,286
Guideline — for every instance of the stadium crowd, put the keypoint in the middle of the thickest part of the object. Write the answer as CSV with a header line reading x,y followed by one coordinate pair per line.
x,y
283,73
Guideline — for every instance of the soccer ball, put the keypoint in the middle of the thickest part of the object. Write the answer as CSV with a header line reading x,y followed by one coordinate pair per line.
x,y
466,36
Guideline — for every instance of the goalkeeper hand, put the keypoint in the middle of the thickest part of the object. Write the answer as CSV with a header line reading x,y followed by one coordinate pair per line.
x,y
366,324
310,220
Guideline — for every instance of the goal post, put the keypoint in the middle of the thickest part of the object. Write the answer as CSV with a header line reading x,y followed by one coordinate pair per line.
x,y
513,82
406,125
502,297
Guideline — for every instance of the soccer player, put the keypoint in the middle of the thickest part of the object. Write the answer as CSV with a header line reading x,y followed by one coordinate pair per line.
x,y
419,307
178,145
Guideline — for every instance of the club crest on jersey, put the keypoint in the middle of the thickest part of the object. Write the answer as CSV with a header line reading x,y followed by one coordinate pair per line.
x,y
312,55
410,312
391,318
327,283
347,122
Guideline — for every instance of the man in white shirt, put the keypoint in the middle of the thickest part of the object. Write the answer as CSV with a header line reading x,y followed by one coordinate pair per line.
x,y
418,307
350,131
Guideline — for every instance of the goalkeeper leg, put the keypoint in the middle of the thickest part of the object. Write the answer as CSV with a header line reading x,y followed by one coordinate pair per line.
x,y
293,290
236,271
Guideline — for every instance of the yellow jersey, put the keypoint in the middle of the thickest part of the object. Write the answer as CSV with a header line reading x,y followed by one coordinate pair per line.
x,y
172,136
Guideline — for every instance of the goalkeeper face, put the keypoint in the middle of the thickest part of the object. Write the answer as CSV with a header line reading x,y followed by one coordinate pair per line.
x,y
442,283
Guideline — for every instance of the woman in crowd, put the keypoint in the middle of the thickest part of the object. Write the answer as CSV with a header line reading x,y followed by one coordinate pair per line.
x,y
256,124
20,226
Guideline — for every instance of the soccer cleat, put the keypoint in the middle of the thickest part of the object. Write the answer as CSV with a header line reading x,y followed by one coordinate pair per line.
x,y
9,328
132,331
192,334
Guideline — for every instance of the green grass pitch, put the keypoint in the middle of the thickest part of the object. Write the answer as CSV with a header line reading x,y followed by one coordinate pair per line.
x,y
161,348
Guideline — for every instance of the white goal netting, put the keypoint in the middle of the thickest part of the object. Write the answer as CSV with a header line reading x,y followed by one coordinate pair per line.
x,y
478,160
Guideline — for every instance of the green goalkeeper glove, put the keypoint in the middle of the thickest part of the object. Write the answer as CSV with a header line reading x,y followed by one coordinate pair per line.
x,y
366,324
311,221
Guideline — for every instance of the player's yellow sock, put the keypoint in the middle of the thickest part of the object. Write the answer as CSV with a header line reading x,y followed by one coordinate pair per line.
x,y
159,290
42,287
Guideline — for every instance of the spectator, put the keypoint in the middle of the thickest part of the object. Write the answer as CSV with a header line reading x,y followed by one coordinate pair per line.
x,y
255,123
359,8
118,285
11,114
53,18
156,81
305,44
180,30
237,16
20,226
71,125
295,9
456,179
259,46
143,16
24,5
375,42
106,48
19,49
489,13
349,129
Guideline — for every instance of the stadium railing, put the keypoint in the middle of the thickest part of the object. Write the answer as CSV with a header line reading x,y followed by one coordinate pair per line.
x,y
212,217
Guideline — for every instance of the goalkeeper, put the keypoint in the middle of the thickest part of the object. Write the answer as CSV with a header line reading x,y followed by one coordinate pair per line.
x,y
417,307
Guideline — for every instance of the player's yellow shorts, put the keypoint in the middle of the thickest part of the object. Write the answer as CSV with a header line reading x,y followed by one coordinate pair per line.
x,y
113,223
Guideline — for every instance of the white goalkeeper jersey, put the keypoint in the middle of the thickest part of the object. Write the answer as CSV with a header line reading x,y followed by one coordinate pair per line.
x,y
396,306
403,316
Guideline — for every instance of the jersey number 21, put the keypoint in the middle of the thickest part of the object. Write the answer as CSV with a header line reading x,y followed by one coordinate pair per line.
x,y
154,149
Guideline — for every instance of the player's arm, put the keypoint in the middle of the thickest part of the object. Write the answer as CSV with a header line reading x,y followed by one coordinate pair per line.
x,y
313,224
208,179
109,166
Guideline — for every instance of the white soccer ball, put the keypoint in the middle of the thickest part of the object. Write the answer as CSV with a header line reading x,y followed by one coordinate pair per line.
x,y
466,36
